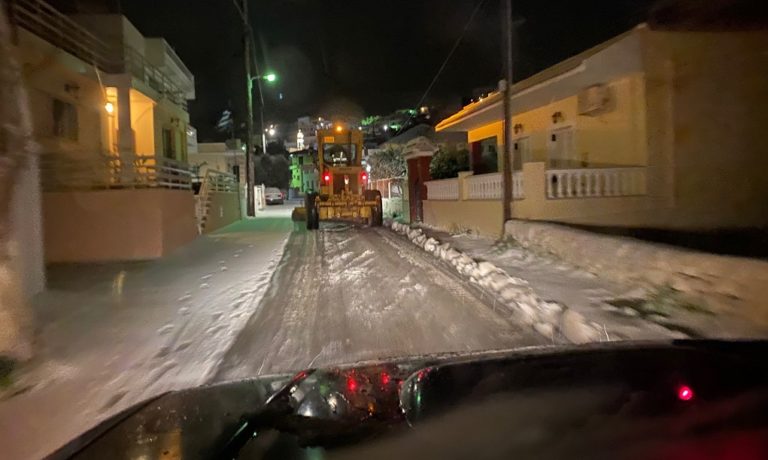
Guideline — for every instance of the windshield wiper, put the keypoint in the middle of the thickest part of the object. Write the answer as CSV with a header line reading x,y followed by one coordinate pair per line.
x,y
247,429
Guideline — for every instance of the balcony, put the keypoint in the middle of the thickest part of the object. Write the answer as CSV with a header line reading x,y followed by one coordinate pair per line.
x,y
43,20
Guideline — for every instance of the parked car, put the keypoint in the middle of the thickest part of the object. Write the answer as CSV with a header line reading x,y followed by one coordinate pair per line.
x,y
274,196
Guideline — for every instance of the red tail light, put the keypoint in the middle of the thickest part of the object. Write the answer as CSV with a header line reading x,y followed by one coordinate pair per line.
x,y
351,384
684,393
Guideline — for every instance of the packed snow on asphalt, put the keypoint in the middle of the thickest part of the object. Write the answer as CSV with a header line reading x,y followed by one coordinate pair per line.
x,y
345,294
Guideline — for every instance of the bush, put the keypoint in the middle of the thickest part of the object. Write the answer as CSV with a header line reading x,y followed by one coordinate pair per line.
x,y
386,164
447,164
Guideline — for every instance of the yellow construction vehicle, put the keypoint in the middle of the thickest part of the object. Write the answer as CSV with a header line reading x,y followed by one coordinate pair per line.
x,y
343,193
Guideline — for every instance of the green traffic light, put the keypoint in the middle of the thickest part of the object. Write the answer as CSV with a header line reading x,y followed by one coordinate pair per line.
x,y
270,77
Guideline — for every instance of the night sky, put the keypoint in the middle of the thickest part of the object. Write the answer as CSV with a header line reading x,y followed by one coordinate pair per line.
x,y
358,57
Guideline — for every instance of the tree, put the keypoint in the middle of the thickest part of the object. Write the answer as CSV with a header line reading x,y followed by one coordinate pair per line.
x,y
447,163
273,171
15,153
276,148
387,164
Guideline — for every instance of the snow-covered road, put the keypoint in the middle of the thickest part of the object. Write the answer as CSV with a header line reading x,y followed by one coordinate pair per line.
x,y
345,294
110,336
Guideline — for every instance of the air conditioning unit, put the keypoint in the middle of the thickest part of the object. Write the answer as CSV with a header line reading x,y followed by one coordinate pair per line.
x,y
594,99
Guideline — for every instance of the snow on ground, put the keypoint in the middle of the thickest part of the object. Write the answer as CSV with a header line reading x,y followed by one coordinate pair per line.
x,y
344,294
620,310
112,335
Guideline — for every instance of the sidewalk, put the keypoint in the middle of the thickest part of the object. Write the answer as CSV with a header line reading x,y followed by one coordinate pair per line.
x,y
112,335
613,310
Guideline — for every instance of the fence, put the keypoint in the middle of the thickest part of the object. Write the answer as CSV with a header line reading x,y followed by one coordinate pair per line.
x,y
446,189
589,183
105,172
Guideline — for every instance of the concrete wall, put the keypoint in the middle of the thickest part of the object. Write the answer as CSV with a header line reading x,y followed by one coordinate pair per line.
x,y
224,210
479,216
710,92
112,225
614,136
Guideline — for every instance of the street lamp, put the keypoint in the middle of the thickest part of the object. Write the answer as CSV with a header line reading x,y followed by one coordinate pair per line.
x,y
270,77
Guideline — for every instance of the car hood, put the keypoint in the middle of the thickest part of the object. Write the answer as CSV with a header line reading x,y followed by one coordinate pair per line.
x,y
374,397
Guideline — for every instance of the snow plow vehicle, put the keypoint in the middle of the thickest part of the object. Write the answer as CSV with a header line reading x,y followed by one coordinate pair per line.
x,y
343,194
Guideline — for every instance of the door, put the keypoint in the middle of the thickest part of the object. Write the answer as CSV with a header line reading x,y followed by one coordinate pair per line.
x,y
521,151
561,151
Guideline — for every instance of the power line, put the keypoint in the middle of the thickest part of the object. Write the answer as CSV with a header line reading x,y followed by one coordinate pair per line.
x,y
445,62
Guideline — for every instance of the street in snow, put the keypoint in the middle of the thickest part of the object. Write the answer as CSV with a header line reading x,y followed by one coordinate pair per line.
x,y
262,296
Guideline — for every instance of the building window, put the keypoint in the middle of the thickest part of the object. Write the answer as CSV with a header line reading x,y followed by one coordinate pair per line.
x,y
561,151
522,152
65,123
169,143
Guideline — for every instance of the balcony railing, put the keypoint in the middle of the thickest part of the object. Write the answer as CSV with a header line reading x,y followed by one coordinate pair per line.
x,y
592,183
491,186
446,189
103,172
45,21
484,187
134,63
48,23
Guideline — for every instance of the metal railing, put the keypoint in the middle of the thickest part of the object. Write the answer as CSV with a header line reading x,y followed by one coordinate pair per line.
x,y
213,182
60,173
600,182
446,189
45,21
136,64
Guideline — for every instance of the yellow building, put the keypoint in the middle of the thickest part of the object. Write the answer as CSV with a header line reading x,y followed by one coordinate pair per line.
x,y
659,129
109,113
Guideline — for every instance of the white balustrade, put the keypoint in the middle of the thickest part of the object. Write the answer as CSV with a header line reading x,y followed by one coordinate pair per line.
x,y
599,182
484,186
518,192
446,189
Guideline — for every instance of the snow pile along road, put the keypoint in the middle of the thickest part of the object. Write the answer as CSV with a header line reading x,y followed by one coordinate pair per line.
x,y
562,303
550,319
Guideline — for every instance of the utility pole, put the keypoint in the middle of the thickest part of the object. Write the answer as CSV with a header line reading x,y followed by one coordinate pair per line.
x,y
250,211
508,162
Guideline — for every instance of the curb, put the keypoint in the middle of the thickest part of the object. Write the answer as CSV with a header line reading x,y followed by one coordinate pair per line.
x,y
550,319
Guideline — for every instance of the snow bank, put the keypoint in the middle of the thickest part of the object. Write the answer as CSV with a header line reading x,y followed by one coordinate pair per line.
x,y
515,294
731,285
